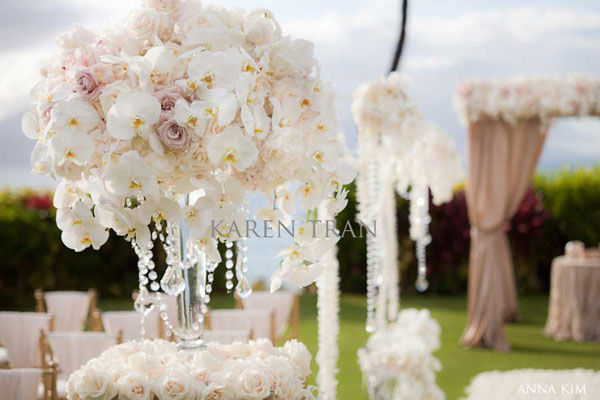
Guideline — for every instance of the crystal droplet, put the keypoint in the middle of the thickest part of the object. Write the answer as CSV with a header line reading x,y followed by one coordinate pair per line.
x,y
229,285
143,304
421,284
172,282
243,288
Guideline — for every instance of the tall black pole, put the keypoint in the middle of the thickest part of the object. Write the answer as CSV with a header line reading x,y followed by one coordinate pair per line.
x,y
400,45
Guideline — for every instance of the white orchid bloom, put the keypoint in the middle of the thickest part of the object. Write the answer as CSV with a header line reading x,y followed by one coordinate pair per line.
x,y
216,69
194,116
131,177
231,229
208,245
199,216
154,67
338,203
125,222
133,114
68,193
80,228
41,161
233,148
74,115
47,94
30,125
325,155
165,210
70,146
310,194
300,275
275,216
254,117
285,200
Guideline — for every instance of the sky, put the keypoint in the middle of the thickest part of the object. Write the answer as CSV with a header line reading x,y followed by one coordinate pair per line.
x,y
447,41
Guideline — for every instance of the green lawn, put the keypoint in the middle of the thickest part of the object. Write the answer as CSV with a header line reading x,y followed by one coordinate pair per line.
x,y
530,349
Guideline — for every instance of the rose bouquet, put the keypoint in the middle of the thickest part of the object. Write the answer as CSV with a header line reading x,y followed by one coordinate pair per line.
x,y
182,98
155,370
397,361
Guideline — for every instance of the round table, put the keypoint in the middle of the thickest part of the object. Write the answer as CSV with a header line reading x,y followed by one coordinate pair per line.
x,y
574,309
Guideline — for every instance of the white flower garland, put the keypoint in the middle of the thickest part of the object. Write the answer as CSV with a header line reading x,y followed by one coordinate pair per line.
x,y
151,370
328,307
521,98
397,362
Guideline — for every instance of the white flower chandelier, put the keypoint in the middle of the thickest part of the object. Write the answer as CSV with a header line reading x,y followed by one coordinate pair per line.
x,y
398,148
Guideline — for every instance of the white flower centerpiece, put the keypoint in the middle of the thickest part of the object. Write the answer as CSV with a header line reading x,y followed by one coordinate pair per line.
x,y
397,361
152,370
162,125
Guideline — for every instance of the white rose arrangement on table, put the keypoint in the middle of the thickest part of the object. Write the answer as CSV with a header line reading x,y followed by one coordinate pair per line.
x,y
152,370
184,97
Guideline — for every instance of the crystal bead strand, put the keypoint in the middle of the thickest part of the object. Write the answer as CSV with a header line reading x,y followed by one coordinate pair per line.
x,y
229,266
243,288
372,246
420,220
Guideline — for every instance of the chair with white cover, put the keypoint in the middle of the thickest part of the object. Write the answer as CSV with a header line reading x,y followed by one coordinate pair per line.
x,y
20,383
70,350
226,336
71,309
19,333
261,323
284,304
129,323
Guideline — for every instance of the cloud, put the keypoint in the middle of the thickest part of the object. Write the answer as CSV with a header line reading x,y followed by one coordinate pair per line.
x,y
19,73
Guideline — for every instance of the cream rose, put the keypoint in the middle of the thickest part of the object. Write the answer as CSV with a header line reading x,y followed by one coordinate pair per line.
x,y
135,387
144,24
254,383
167,97
176,388
298,355
85,83
174,136
91,384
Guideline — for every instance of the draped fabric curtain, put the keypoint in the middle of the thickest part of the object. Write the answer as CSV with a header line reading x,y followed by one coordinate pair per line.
x,y
502,161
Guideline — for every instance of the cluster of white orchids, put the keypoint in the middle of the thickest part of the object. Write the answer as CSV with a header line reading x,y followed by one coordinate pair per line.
x,y
182,98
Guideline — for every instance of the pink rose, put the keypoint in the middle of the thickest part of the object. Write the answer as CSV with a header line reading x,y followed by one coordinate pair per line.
x,y
168,97
86,84
173,135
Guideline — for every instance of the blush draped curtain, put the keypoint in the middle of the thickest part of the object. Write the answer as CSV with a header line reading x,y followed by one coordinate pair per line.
x,y
502,161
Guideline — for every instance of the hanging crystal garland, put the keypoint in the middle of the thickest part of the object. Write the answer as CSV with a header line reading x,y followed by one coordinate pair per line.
x,y
373,246
187,267
419,231
390,244
229,266
243,288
